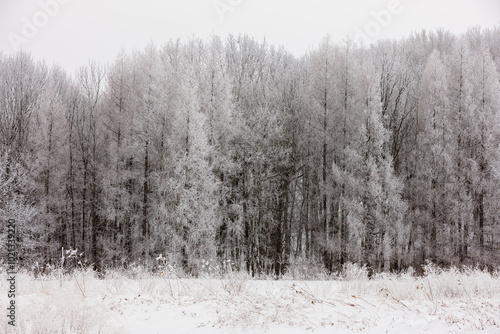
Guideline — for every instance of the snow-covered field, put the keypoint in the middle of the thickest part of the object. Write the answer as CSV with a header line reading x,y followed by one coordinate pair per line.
x,y
444,302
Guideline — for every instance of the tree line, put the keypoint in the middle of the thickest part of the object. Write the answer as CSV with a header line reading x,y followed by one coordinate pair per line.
x,y
235,150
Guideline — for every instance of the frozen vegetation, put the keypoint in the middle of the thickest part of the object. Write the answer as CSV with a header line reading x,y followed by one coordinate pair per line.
x,y
449,301
271,165
237,150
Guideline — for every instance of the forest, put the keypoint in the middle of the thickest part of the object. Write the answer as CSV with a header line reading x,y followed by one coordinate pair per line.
x,y
237,154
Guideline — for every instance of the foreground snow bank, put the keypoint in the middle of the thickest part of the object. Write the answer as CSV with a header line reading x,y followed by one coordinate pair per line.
x,y
441,302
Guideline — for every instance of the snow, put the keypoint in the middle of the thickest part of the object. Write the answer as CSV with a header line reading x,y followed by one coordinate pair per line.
x,y
446,303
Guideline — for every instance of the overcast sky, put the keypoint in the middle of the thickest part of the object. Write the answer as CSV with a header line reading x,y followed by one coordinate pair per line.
x,y
72,32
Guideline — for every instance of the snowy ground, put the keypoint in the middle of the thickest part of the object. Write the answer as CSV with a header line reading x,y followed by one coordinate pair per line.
x,y
449,302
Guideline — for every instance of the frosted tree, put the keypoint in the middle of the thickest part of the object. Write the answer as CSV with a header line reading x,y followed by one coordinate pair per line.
x,y
459,89
50,151
320,126
385,208
22,85
21,89
146,125
192,187
483,107
89,143
475,105
430,188
216,103
371,198
118,120
235,149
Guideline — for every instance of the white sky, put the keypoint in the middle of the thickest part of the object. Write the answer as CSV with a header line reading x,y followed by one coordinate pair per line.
x,y
82,30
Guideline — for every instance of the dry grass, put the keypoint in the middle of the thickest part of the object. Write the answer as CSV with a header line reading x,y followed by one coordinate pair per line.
x,y
82,303
45,306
